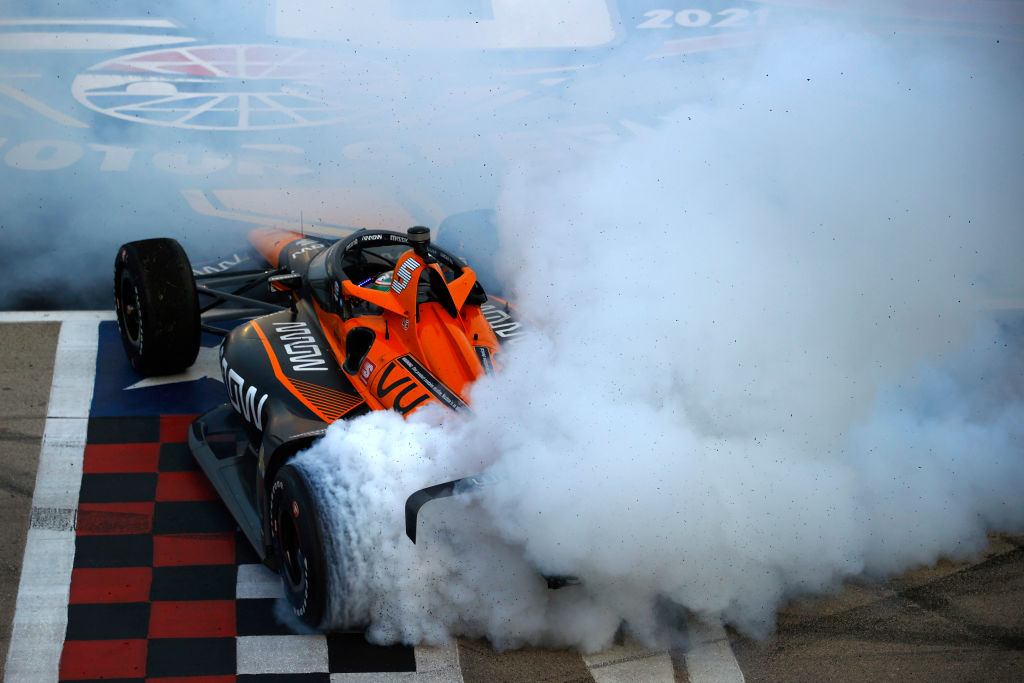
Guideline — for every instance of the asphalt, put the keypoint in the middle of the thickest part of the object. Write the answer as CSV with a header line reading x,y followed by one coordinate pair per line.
x,y
29,350
950,622
953,621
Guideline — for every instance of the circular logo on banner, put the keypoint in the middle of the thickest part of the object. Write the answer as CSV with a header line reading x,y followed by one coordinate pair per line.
x,y
236,87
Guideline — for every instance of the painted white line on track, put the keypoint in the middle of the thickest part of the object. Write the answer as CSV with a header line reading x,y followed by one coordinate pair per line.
x,y
57,316
255,581
40,108
630,662
74,372
438,664
292,654
59,473
41,610
710,658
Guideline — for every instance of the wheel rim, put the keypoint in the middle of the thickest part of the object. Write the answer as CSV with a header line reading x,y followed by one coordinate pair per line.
x,y
291,552
131,317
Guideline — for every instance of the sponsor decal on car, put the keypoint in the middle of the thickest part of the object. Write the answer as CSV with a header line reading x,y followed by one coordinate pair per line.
x,y
304,354
415,377
366,371
219,267
305,246
442,393
403,276
404,385
484,354
502,323
243,395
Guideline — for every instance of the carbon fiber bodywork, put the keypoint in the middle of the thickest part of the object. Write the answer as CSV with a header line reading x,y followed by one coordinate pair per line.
x,y
284,387
326,349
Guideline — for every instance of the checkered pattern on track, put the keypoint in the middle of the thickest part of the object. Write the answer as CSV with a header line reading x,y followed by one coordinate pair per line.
x,y
165,586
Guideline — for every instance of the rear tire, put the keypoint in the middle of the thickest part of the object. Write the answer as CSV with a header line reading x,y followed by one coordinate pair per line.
x,y
157,306
300,550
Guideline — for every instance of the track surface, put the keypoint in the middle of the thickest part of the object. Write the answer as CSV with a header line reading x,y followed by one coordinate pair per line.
x,y
135,571
180,114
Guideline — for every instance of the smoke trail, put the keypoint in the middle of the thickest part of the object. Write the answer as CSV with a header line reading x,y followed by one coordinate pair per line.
x,y
762,364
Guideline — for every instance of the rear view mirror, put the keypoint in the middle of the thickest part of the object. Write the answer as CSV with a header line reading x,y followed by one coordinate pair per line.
x,y
285,282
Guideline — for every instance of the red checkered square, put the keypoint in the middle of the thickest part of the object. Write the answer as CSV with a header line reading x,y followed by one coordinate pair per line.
x,y
108,585
120,458
114,518
182,486
174,428
180,550
93,659
193,619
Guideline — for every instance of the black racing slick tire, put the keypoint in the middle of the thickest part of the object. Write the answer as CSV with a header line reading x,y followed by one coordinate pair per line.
x,y
300,547
157,306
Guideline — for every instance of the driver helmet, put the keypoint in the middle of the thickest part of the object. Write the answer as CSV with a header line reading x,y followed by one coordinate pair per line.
x,y
382,282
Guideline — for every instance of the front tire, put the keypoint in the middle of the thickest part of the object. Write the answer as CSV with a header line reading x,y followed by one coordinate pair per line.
x,y
300,549
157,306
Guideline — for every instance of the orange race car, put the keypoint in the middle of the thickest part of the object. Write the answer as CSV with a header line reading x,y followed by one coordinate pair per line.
x,y
379,320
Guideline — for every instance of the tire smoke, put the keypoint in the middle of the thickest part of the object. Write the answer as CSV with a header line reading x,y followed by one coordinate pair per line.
x,y
765,359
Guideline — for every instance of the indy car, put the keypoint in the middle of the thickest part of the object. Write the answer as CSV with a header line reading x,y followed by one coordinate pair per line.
x,y
330,330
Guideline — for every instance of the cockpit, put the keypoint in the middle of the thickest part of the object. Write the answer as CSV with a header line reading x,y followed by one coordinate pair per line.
x,y
364,257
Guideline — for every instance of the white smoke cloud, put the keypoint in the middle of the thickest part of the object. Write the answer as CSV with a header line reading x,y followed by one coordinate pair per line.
x,y
762,363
